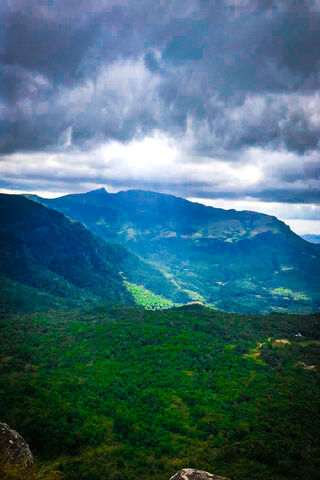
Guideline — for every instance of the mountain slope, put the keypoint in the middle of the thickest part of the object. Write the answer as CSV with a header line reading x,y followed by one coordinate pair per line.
x,y
42,249
238,261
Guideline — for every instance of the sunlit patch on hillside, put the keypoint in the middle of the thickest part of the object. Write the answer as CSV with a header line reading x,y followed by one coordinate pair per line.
x,y
307,367
146,298
289,294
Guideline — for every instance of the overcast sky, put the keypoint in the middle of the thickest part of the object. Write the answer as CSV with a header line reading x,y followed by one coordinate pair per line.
x,y
217,101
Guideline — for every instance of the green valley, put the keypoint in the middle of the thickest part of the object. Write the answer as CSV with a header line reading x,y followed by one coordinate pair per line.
x,y
236,260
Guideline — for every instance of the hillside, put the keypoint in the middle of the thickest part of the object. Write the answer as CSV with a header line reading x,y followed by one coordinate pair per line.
x,y
57,262
235,261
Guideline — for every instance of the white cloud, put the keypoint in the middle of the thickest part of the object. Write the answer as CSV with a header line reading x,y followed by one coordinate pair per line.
x,y
158,159
156,162
303,227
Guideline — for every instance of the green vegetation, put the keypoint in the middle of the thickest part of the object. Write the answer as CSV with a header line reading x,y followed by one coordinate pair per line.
x,y
17,297
113,391
286,292
147,299
14,472
233,260
58,264
121,392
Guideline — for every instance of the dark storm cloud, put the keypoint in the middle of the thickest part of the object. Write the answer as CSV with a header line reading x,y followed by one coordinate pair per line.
x,y
219,76
206,49
268,195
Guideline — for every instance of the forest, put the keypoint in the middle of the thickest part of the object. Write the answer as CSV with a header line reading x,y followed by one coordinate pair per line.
x,y
113,391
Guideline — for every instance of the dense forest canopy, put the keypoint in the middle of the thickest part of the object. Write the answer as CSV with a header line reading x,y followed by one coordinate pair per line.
x,y
142,394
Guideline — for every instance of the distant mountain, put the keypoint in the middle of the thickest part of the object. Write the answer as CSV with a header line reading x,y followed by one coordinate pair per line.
x,y
235,261
49,261
311,238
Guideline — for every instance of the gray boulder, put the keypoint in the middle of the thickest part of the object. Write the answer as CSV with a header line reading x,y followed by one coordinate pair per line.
x,y
14,450
192,474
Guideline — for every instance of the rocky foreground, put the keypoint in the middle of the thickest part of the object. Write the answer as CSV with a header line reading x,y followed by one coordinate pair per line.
x,y
192,474
17,462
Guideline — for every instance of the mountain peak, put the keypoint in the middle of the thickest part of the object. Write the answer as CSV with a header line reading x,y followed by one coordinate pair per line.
x,y
101,190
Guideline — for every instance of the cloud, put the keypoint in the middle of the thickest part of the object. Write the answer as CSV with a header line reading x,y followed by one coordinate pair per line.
x,y
158,162
304,227
283,211
118,101
226,91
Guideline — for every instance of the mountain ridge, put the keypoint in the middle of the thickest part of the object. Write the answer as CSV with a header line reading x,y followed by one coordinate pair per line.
x,y
233,260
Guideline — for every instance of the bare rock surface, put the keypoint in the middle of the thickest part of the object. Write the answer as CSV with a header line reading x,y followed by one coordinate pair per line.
x,y
192,474
13,449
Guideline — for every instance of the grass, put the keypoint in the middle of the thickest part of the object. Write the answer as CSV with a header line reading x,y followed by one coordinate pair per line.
x,y
16,471
145,298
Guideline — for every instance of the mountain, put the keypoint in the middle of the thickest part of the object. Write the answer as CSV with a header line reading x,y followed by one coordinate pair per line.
x,y
233,260
311,238
49,261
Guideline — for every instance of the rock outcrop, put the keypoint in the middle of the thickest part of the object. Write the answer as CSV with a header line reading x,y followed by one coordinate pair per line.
x,y
14,451
192,474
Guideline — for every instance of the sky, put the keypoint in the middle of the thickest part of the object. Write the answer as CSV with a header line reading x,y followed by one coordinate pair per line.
x,y
217,101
